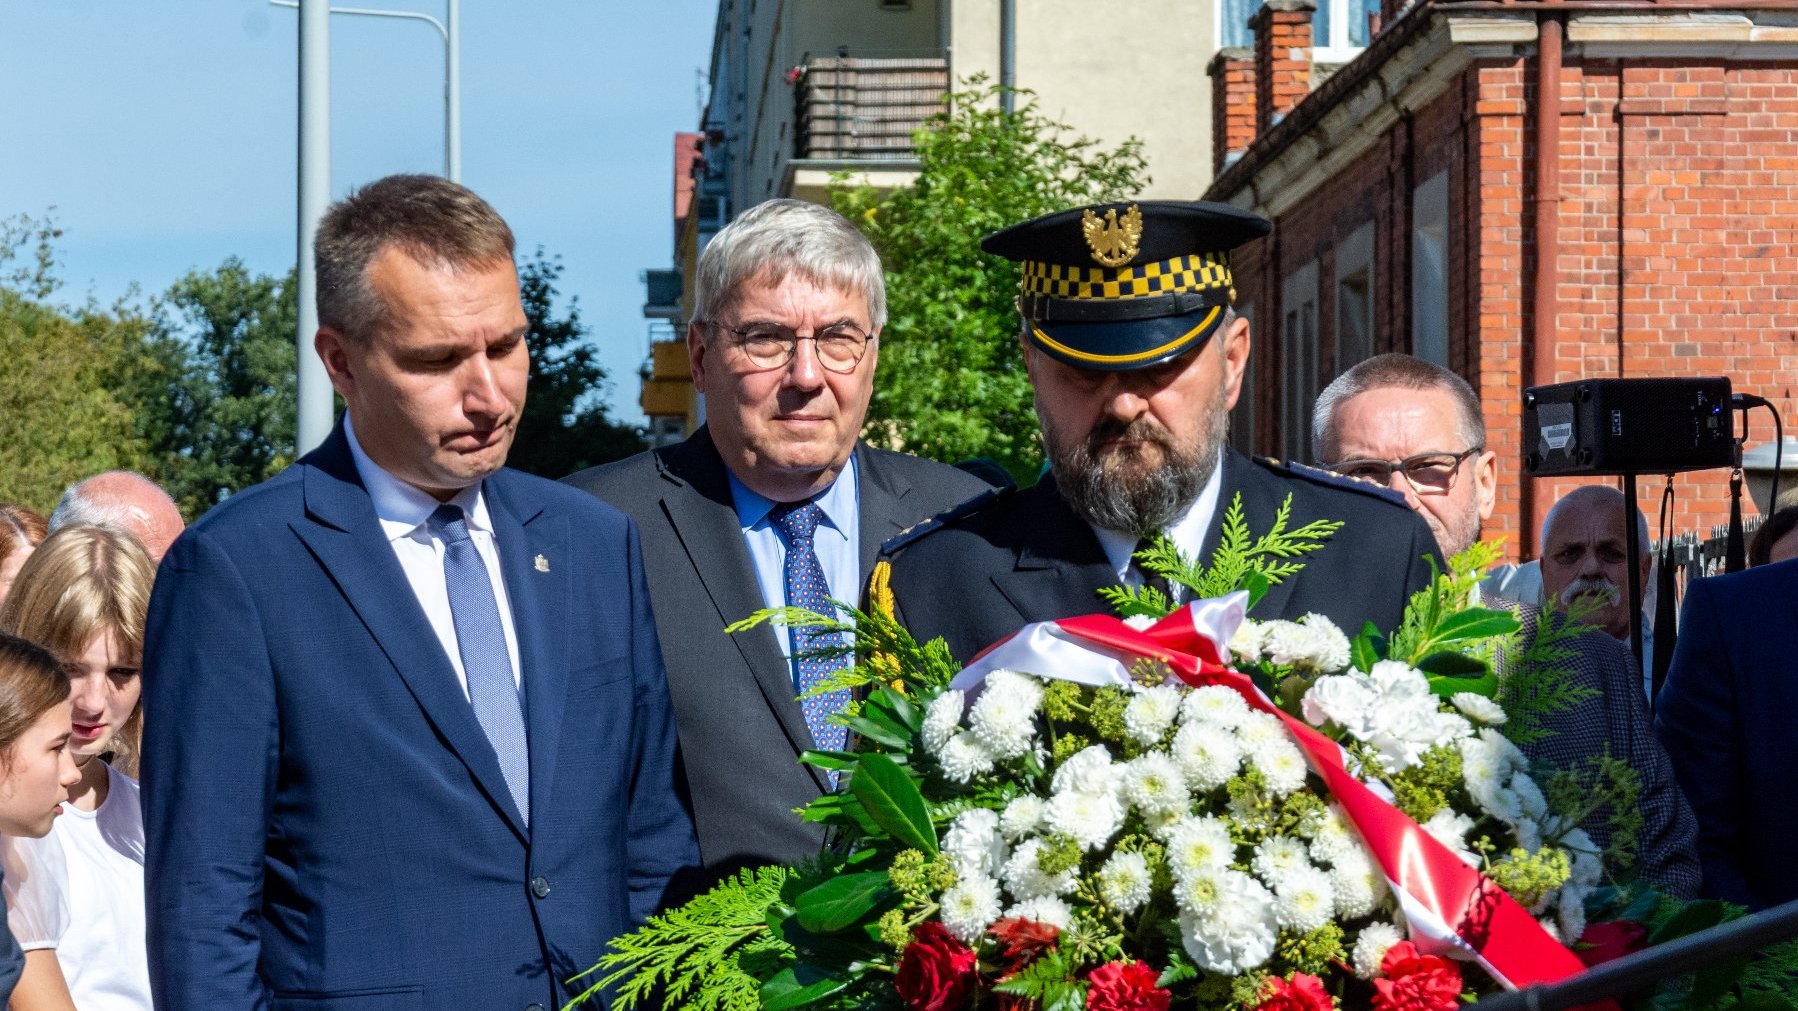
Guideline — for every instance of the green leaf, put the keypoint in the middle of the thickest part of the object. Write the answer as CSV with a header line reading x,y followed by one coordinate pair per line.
x,y
881,730
1691,918
1713,981
895,708
797,986
835,761
842,901
894,802
1450,664
1474,623
1256,582
1364,651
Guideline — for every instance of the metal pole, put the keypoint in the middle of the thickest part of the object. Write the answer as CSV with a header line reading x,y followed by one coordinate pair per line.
x,y
452,99
1008,54
314,395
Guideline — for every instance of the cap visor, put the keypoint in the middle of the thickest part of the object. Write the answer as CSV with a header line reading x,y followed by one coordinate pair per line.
x,y
1120,347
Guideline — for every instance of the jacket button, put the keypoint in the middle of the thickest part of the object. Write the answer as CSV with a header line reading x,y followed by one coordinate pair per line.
x,y
540,887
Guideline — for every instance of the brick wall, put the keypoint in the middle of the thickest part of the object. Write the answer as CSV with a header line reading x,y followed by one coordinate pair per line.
x,y
1233,105
1282,58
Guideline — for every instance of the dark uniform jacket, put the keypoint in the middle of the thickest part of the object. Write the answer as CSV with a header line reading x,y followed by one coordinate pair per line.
x,y
1026,557
741,731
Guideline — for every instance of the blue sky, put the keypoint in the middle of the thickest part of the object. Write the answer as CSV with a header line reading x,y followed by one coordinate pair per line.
x,y
162,131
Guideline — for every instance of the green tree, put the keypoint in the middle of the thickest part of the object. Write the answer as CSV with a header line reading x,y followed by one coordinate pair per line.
x,y
952,382
565,426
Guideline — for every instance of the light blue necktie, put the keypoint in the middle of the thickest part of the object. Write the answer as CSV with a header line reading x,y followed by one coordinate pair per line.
x,y
806,587
481,640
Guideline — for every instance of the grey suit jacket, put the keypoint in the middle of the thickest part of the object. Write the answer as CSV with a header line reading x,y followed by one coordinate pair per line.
x,y
741,731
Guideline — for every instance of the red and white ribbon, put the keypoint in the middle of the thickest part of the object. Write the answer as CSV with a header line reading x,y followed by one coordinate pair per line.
x,y
1452,908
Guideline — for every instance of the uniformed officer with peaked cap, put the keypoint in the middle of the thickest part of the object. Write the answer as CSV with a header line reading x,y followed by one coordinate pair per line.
x,y
1136,359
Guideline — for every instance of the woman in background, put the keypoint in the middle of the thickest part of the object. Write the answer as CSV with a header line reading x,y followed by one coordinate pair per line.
x,y
20,531
36,769
83,595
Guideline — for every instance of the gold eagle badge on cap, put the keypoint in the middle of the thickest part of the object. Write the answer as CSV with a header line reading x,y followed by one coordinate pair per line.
x,y
1113,242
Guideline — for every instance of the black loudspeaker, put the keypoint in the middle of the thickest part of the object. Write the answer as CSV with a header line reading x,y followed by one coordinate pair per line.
x,y
1628,426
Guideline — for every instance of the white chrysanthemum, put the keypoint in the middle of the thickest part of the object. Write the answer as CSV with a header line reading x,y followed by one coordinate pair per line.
x,y
1510,757
1149,714
970,906
1248,641
1026,880
941,719
1004,717
1404,728
1278,856
1330,835
1161,824
1357,883
1500,801
1023,816
1091,818
1482,767
1479,708
1528,833
1124,882
1235,931
1449,827
1258,729
1088,770
1313,643
1200,845
1216,705
964,757
1153,784
1529,796
1571,916
1588,869
1343,699
1304,898
1550,927
973,840
1371,947
1043,909
1281,764
1207,754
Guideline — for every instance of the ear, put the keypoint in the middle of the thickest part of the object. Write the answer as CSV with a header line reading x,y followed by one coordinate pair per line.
x,y
1485,476
333,349
696,352
1235,349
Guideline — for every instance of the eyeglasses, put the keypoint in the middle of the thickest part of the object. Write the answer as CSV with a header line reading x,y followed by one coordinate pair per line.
x,y
1429,473
771,346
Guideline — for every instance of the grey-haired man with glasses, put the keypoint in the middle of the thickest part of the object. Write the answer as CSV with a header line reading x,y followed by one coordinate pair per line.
x,y
1417,428
773,501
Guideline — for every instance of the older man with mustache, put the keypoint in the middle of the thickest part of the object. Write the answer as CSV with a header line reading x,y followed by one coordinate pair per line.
x,y
1583,558
1135,357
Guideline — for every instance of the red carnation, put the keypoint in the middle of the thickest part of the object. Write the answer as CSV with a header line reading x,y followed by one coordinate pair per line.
x,y
1416,982
1604,941
936,973
1305,992
1023,940
1125,986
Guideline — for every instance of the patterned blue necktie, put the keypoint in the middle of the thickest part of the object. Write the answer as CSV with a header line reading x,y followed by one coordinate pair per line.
x,y
797,523
481,640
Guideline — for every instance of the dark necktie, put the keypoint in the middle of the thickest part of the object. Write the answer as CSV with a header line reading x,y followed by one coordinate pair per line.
x,y
1155,580
806,587
481,640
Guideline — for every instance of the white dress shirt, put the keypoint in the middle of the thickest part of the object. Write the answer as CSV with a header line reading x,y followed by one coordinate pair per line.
x,y
403,511
837,542
1188,532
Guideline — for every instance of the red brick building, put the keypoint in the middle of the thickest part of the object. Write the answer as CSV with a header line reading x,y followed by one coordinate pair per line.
x,y
1638,217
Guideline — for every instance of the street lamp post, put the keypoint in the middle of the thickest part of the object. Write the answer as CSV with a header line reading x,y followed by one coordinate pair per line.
x,y
314,385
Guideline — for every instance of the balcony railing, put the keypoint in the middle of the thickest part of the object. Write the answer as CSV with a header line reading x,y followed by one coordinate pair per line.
x,y
854,108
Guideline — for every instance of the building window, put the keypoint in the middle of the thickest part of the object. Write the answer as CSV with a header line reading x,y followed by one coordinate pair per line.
x,y
1242,418
1340,29
1233,23
1354,298
1298,361
1429,269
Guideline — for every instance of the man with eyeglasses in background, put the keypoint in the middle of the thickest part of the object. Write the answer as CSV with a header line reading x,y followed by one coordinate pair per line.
x,y
773,501
1417,428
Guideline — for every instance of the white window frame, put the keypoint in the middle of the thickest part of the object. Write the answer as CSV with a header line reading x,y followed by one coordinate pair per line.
x,y
1429,269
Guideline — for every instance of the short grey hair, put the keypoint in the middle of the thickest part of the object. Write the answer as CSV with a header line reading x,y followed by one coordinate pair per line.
x,y
1591,494
777,239
430,219
77,508
1389,371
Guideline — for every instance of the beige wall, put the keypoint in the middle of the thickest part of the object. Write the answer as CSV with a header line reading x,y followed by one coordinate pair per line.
x,y
1111,69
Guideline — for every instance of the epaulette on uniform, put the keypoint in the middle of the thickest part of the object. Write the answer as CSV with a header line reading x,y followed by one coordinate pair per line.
x,y
940,520
1331,479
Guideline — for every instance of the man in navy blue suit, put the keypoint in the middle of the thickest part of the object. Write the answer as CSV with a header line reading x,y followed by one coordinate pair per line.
x,y
408,742
1725,715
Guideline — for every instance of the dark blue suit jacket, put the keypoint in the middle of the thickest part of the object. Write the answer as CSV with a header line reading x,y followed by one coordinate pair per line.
x,y
327,826
1726,717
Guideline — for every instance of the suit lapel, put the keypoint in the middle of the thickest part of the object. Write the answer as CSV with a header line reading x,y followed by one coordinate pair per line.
x,y
1060,565
704,517
1262,497
882,514
343,533
539,596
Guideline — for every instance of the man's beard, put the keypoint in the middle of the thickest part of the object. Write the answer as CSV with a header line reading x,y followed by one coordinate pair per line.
x,y
1117,488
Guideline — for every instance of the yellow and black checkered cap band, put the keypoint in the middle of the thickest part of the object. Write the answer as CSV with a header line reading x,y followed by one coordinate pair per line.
x,y
1199,272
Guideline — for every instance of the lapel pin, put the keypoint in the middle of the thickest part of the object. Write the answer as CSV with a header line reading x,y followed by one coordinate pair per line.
x,y
542,564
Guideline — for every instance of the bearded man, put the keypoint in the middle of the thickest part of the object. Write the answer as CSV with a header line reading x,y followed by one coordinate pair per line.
x,y
1135,358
